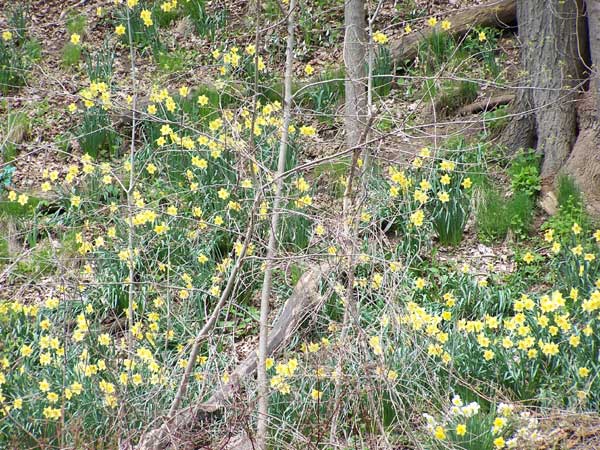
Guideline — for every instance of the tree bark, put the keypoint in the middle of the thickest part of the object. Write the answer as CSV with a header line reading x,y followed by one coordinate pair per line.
x,y
593,13
584,161
552,55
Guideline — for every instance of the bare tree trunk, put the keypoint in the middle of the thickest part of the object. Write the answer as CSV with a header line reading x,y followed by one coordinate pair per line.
x,y
263,387
354,61
552,57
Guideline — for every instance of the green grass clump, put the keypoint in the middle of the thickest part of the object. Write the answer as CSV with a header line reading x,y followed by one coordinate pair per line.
x,y
567,191
206,24
96,135
71,54
16,52
497,215
491,221
4,255
316,28
143,36
164,14
482,43
449,219
76,24
383,72
435,51
16,129
326,94
571,209
16,210
99,66
40,263
171,61
520,209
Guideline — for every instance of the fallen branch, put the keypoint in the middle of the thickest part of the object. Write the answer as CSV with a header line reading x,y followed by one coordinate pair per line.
x,y
305,299
498,14
485,105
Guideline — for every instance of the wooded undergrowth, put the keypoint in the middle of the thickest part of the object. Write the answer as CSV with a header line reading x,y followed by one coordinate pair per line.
x,y
228,242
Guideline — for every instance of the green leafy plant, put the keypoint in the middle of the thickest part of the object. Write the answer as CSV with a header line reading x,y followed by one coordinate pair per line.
x,y
95,134
524,173
76,27
144,36
333,174
410,10
324,96
164,13
492,223
316,29
567,191
450,209
16,128
496,120
272,9
450,198
6,175
32,50
172,61
17,20
519,210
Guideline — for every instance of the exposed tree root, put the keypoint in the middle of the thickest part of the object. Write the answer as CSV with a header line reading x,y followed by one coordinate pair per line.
x,y
485,105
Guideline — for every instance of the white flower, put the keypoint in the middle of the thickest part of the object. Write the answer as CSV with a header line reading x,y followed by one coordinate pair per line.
x,y
471,409
456,401
429,418
505,409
